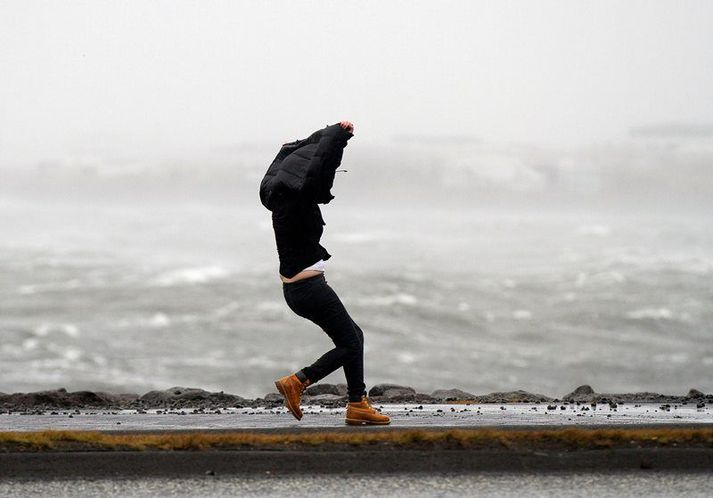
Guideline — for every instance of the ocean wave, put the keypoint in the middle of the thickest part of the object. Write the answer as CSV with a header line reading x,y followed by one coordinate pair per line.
x,y
271,306
389,300
651,314
45,329
354,238
226,310
193,275
597,230
406,357
157,321
262,362
29,289
362,237
604,277
30,344
522,314
678,357
694,265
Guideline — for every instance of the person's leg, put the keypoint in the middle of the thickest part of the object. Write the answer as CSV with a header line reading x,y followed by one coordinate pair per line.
x,y
315,300
354,369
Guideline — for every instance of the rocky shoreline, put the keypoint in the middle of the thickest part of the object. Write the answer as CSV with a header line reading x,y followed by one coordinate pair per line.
x,y
327,395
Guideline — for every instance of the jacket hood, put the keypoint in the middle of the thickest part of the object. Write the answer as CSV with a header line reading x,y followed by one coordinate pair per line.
x,y
305,167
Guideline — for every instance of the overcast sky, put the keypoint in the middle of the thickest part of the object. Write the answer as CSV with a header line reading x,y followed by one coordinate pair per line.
x,y
166,79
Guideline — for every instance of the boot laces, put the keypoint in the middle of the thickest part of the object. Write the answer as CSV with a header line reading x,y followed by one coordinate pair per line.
x,y
365,399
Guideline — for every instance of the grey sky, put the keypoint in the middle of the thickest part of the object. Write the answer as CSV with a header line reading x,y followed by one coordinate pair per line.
x,y
163,79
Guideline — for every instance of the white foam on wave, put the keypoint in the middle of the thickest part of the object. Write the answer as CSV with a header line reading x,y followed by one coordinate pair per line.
x,y
603,277
270,306
355,237
72,354
45,329
651,314
158,320
509,283
30,344
363,237
29,289
522,314
406,357
226,310
389,300
684,263
677,357
261,361
193,275
597,230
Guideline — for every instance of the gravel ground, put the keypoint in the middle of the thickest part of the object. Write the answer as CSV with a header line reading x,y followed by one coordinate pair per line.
x,y
402,415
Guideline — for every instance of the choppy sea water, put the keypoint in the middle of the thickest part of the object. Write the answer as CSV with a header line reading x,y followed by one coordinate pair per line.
x,y
137,298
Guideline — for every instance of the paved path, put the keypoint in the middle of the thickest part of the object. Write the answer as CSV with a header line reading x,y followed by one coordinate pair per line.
x,y
402,416
603,484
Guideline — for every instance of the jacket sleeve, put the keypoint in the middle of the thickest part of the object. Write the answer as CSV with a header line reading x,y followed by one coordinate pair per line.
x,y
324,163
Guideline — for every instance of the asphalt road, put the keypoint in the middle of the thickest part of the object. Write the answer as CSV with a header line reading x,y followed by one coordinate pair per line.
x,y
484,484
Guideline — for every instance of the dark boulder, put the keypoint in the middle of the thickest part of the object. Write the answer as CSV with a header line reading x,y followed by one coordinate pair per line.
x,y
583,393
451,395
320,398
695,394
382,390
512,397
60,398
188,397
318,389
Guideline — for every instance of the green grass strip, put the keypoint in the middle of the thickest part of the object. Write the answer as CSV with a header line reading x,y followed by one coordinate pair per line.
x,y
569,438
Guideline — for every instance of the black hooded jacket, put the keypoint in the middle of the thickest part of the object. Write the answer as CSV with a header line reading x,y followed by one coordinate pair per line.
x,y
298,179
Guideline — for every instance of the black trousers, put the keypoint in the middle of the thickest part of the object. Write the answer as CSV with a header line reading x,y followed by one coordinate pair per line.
x,y
314,299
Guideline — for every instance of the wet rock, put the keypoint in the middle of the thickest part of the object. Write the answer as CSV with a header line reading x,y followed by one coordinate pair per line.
x,y
175,393
512,397
318,389
60,398
399,395
451,395
188,397
273,397
583,393
695,394
319,398
382,390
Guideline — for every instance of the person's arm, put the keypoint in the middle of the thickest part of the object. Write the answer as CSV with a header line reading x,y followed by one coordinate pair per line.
x,y
326,159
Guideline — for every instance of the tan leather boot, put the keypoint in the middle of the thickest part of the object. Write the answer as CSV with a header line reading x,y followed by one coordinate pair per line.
x,y
292,388
362,413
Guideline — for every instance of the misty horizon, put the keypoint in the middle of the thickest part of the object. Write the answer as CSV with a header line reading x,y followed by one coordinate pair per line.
x,y
167,80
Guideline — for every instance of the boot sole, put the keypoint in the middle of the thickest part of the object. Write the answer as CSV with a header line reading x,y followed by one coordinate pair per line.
x,y
287,400
355,421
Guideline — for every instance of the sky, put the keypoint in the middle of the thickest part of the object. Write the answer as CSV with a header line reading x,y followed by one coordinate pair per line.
x,y
166,79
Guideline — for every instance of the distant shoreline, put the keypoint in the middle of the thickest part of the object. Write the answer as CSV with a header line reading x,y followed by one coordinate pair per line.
x,y
328,395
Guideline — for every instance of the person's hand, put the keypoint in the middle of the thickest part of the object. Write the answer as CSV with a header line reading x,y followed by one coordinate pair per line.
x,y
347,125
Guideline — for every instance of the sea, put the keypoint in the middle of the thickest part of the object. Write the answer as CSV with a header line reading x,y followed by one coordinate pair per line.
x,y
131,298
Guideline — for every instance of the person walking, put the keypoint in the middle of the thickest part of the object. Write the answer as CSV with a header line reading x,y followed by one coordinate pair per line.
x,y
297,181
